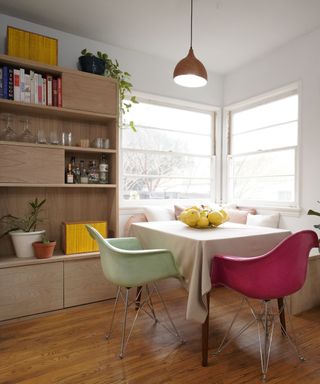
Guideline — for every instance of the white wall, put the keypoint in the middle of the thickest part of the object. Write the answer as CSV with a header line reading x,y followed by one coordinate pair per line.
x,y
149,74
296,61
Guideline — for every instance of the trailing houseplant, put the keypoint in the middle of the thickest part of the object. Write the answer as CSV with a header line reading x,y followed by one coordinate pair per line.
x,y
23,230
112,69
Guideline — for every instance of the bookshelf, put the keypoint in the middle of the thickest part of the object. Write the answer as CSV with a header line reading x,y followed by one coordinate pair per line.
x,y
89,110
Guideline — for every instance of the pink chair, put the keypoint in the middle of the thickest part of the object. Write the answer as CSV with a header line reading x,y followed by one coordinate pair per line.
x,y
274,275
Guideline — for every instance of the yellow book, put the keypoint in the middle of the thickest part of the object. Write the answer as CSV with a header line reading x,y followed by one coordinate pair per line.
x,y
32,46
76,238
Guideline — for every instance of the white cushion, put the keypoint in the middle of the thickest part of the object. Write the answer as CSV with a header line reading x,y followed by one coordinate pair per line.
x,y
159,213
271,221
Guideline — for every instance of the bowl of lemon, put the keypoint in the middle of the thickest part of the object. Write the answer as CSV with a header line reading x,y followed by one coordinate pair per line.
x,y
203,217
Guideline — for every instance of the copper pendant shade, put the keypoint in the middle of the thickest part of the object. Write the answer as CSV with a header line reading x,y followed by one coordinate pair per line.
x,y
190,72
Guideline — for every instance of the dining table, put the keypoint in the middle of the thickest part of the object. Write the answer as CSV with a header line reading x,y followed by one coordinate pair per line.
x,y
193,250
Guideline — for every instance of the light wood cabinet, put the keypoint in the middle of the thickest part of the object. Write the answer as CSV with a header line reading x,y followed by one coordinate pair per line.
x,y
17,161
30,289
84,282
29,170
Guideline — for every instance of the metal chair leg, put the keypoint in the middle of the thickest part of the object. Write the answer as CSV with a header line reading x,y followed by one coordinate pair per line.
x,y
291,339
113,313
174,330
266,322
124,324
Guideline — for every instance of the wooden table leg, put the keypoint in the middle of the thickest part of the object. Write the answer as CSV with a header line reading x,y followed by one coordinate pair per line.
x,y
282,315
205,335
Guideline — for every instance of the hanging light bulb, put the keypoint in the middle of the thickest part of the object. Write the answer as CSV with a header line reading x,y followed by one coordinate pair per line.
x,y
190,72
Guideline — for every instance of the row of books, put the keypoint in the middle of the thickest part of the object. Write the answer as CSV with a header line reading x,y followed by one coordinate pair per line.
x,y
27,86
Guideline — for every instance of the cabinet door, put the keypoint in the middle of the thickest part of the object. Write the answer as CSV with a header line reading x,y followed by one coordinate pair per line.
x,y
89,93
31,289
31,165
84,282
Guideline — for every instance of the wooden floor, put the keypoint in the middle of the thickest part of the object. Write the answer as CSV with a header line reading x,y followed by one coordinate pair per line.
x,y
69,348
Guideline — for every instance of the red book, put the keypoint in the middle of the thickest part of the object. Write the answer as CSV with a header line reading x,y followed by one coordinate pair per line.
x,y
59,92
40,85
55,92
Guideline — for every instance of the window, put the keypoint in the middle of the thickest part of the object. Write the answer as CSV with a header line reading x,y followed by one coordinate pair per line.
x,y
262,150
171,154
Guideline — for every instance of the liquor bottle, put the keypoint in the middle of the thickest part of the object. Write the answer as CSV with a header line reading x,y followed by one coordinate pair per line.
x,y
103,170
75,170
83,173
93,173
69,175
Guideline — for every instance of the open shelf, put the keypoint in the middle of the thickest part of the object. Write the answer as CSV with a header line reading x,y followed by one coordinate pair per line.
x,y
24,185
66,148
12,106
14,261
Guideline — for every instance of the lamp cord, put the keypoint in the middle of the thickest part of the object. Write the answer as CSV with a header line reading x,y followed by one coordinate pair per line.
x,y
191,23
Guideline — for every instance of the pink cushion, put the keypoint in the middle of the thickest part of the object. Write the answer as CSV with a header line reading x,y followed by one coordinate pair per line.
x,y
239,215
136,218
178,209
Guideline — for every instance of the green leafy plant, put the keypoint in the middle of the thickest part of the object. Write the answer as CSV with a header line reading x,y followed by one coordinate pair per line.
x,y
27,223
124,80
45,239
314,213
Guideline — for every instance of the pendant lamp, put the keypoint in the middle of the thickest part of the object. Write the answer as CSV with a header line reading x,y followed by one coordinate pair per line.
x,y
190,72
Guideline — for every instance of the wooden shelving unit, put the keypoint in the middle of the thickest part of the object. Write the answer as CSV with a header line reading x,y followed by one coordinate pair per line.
x,y
28,170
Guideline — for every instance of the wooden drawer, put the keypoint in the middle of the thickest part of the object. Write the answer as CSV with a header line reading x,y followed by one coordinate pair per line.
x,y
31,165
89,93
30,289
84,282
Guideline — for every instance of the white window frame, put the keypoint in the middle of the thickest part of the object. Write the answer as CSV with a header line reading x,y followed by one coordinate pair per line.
x,y
293,88
215,176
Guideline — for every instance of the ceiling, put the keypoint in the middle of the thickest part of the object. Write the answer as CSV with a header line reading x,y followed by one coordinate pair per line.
x,y
226,33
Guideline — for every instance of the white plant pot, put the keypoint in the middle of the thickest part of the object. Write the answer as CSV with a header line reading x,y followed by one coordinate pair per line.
x,y
22,242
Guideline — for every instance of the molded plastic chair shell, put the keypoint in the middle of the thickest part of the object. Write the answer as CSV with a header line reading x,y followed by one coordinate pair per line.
x,y
126,264
276,274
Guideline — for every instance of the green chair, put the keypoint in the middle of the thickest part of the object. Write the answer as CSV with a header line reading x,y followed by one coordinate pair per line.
x,y
127,265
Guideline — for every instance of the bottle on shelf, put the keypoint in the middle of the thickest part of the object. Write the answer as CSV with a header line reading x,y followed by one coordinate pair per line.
x,y
93,173
83,173
103,170
69,175
75,170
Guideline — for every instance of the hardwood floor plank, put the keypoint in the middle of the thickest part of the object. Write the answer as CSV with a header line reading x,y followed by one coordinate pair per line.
x,y
69,347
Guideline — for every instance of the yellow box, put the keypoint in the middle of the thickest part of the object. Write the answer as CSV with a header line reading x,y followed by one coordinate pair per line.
x,y
32,46
76,238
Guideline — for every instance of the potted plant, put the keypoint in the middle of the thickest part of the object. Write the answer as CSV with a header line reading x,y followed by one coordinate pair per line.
x,y
314,213
91,63
112,69
43,249
23,230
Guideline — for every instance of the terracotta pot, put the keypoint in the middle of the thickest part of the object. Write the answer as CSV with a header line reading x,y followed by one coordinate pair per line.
x,y
43,250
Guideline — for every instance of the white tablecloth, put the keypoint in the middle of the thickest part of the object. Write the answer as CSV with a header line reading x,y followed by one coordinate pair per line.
x,y
193,249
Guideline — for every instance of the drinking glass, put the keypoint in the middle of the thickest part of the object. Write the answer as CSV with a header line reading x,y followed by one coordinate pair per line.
x,y
54,138
8,134
41,136
26,135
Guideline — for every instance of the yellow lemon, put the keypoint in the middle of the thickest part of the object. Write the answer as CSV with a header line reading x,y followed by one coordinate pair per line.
x,y
215,218
203,222
191,218
224,214
183,215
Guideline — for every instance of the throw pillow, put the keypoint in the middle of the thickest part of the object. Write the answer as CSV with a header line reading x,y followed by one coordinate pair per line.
x,y
136,218
237,216
159,213
271,221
